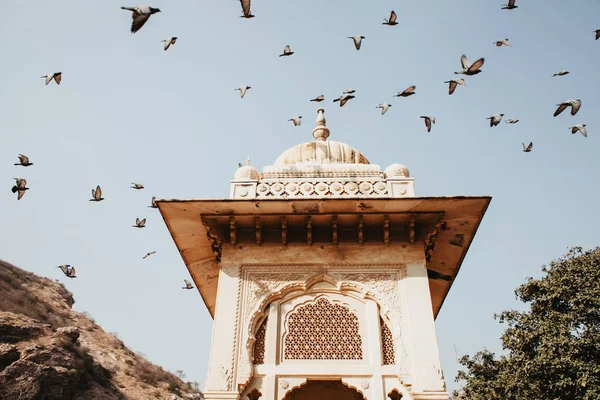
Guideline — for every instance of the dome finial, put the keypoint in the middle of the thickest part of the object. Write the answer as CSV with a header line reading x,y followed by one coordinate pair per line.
x,y
248,161
321,132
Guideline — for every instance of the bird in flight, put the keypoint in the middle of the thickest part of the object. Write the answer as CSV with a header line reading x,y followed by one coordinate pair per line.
x,y
140,223
24,161
97,194
169,41
287,51
384,107
296,120
20,187
137,186
495,119
67,270
188,284
428,121
597,31
561,73
357,40
454,83
512,121
343,99
574,104
246,9
510,5
527,148
139,15
503,42
470,68
153,203
392,20
57,76
349,91
319,99
148,254
243,90
580,128
407,92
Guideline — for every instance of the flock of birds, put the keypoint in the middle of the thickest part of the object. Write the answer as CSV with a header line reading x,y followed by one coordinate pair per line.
x,y
141,15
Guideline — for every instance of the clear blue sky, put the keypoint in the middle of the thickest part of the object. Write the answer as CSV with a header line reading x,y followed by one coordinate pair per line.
x,y
127,111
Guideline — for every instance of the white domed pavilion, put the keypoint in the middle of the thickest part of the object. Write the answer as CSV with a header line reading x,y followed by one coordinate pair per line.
x,y
324,275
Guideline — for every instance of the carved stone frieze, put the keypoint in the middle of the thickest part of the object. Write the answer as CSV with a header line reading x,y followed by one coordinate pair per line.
x,y
318,188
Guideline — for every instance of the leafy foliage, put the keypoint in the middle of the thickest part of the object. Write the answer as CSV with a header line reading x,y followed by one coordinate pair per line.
x,y
552,350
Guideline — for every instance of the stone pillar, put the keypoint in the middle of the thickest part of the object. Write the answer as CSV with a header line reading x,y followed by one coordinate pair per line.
x,y
374,337
220,378
428,382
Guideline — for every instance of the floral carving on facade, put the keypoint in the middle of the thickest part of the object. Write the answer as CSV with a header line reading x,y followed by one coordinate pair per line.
x,y
285,189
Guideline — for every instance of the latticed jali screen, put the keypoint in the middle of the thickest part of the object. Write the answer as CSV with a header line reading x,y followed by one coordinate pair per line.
x,y
323,331
387,344
259,343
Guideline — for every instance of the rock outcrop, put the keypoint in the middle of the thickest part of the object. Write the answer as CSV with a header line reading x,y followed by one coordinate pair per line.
x,y
50,352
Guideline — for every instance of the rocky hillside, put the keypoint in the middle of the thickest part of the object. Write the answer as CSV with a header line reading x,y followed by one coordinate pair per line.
x,y
48,351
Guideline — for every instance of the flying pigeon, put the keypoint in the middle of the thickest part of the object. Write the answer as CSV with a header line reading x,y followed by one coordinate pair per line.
x,y
140,14
97,194
287,51
319,99
20,187
392,20
512,121
503,42
428,122
137,186
349,91
343,99
24,161
527,148
169,41
580,128
140,223
561,73
384,107
57,76
453,83
510,5
357,40
148,254
495,119
574,104
246,9
188,284
296,120
597,31
407,92
243,90
67,270
470,68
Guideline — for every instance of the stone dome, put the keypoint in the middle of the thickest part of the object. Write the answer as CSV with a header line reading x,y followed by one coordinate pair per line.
x,y
246,172
321,151
397,171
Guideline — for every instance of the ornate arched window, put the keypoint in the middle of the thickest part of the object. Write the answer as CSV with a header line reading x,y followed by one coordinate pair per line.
x,y
259,343
323,330
387,344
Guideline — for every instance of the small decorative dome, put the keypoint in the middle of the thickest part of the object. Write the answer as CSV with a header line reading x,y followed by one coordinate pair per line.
x,y
321,151
397,171
247,172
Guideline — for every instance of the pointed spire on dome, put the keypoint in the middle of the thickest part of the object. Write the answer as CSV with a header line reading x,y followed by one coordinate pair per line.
x,y
321,132
248,161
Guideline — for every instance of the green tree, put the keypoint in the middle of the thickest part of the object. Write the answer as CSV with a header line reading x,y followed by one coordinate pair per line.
x,y
553,349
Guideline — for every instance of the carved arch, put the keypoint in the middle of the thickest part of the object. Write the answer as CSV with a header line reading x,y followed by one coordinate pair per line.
x,y
289,291
307,381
